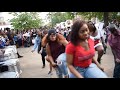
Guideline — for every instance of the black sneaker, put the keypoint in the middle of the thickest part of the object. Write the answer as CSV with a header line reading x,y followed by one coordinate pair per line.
x,y
43,66
50,73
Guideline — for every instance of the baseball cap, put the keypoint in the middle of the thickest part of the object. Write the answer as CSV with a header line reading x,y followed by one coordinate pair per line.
x,y
51,31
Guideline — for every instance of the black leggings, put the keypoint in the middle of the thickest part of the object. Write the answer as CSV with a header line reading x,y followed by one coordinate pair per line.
x,y
43,54
106,39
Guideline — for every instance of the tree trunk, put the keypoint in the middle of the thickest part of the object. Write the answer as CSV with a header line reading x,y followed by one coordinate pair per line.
x,y
106,18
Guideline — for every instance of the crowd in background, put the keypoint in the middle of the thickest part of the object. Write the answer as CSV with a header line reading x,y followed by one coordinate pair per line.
x,y
26,37
19,37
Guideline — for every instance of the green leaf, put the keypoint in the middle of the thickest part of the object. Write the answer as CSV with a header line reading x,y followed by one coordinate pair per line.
x,y
26,20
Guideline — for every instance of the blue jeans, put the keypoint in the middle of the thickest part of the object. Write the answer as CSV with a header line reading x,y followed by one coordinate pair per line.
x,y
90,72
61,69
116,73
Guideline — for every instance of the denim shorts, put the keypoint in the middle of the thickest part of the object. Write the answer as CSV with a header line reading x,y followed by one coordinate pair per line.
x,y
61,69
90,72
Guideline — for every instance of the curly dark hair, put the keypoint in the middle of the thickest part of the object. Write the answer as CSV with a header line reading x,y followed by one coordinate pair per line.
x,y
74,37
91,26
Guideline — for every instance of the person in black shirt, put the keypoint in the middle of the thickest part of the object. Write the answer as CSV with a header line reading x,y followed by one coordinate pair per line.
x,y
34,34
42,50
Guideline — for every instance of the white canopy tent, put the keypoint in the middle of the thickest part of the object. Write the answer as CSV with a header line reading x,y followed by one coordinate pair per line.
x,y
6,26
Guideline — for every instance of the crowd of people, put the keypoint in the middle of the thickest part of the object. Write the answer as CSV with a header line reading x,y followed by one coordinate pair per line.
x,y
70,51
21,37
6,39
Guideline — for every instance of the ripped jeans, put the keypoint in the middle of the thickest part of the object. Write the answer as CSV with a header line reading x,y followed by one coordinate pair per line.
x,y
90,72
61,69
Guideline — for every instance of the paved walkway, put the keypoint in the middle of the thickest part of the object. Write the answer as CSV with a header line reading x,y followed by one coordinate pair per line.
x,y
31,64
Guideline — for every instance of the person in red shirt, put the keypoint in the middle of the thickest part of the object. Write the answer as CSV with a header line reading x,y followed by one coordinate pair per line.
x,y
80,53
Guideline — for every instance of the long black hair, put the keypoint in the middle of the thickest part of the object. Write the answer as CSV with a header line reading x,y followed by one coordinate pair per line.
x,y
91,26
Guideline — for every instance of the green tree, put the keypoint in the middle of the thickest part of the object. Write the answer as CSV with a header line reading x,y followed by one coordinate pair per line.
x,y
90,15
57,17
102,16
26,20
106,18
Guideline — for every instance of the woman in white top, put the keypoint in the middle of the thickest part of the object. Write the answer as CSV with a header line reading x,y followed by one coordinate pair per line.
x,y
97,36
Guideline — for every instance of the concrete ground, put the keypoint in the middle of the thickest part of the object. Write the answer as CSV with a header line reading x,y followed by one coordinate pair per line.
x,y
31,64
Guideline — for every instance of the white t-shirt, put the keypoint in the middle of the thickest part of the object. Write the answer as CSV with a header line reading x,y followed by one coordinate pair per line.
x,y
97,26
57,30
101,25
99,35
97,38
26,34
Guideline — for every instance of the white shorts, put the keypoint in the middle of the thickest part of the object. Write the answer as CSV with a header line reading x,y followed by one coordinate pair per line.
x,y
99,44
